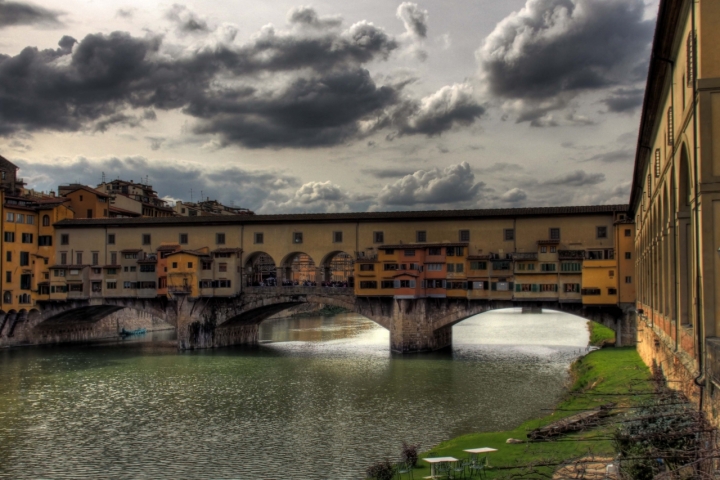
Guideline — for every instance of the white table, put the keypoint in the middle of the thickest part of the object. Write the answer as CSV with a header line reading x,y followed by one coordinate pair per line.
x,y
477,451
434,460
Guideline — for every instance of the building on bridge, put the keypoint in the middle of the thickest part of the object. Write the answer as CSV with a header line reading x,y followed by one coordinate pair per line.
x,y
675,201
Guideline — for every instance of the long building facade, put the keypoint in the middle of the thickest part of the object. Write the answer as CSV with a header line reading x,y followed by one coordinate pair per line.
x,y
675,200
563,254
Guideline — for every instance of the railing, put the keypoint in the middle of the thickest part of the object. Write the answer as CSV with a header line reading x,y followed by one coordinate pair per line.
x,y
571,254
525,256
368,257
179,288
295,290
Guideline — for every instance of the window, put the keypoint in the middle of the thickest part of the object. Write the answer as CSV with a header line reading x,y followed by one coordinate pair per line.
x,y
45,240
451,268
97,271
547,267
337,237
553,249
628,279
112,271
20,218
8,277
222,267
404,283
10,217
548,287
206,266
571,267
89,213
31,219
409,253
8,257
554,234
297,237
111,239
220,238
421,236
368,285
509,234
480,285
389,251
46,221
183,239
571,288
459,267
9,237
190,264
111,284
378,237
501,265
628,232
601,232
387,284
434,251
63,258
611,273
128,284
612,291
464,235
690,51
259,238
367,267
24,259
391,267
78,256
65,239
590,291
657,165
455,251
543,249
434,283
130,255
146,239
113,258
628,255
95,258
434,267
174,265
27,238
147,268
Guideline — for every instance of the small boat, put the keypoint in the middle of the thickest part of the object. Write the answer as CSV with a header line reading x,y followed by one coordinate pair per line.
x,y
128,333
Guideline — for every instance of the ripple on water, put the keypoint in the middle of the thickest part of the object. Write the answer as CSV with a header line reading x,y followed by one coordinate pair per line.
x,y
324,400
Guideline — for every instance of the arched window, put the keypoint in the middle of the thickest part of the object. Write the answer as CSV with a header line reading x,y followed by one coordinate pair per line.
x,y
46,220
7,297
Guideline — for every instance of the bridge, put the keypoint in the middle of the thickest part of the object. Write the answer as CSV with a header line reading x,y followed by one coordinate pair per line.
x,y
415,325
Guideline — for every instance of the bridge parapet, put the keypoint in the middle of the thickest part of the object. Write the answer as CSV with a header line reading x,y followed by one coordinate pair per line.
x,y
297,290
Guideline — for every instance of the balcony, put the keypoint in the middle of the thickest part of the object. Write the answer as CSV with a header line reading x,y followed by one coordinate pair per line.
x,y
571,254
525,256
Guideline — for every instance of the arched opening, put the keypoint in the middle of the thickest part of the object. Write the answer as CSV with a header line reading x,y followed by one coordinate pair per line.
x,y
7,298
684,236
299,269
338,270
260,270
46,220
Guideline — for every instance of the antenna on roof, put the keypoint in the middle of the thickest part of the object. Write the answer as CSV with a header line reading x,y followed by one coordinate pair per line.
x,y
103,177
191,199
147,179
201,195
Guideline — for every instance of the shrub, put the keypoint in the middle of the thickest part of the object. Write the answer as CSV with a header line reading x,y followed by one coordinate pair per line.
x,y
409,453
381,470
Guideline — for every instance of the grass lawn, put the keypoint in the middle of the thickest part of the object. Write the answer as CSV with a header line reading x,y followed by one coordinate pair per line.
x,y
600,334
611,370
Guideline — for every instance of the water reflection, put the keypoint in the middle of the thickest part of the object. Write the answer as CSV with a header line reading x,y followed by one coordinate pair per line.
x,y
322,400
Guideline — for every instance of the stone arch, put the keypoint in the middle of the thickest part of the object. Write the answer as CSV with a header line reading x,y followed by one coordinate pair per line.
x,y
684,236
260,268
338,266
298,267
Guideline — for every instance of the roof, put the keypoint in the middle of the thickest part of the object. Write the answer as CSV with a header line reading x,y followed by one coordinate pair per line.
x,y
401,246
666,28
190,252
131,250
124,212
168,247
347,217
77,186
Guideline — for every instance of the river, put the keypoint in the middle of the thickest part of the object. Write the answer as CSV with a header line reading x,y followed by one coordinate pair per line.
x,y
322,397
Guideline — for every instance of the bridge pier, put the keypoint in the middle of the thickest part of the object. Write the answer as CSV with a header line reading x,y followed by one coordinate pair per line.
x,y
413,328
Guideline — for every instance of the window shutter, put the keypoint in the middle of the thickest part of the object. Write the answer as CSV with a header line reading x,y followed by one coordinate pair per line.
x,y
535,287
412,283
396,283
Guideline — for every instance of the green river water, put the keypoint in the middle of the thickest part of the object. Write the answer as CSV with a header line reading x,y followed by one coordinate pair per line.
x,y
322,397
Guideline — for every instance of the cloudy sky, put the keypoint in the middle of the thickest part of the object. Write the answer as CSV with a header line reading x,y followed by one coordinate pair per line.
x,y
332,106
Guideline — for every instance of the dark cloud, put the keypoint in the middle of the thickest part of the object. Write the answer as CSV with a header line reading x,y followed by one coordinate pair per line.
x,y
454,184
414,18
578,178
551,50
625,100
615,156
185,20
383,173
20,13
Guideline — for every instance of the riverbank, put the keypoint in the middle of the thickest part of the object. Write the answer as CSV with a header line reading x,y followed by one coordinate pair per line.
x,y
613,374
